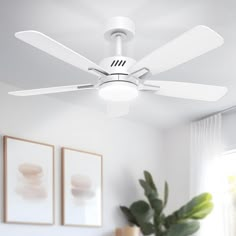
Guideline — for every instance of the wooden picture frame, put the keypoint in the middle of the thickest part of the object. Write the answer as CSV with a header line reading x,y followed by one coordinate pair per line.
x,y
28,182
82,187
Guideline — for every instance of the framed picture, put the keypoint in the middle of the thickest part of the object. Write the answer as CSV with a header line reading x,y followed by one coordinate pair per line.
x,y
81,188
28,182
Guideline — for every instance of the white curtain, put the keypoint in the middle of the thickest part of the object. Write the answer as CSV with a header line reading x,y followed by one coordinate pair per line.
x,y
205,171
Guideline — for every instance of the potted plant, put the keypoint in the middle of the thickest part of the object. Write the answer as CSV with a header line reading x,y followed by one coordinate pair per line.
x,y
150,217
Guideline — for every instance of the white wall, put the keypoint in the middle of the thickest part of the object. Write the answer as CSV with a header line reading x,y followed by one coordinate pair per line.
x,y
128,149
176,163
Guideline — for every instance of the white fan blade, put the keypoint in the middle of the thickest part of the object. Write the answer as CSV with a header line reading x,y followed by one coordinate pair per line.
x,y
187,90
52,47
50,90
189,45
117,109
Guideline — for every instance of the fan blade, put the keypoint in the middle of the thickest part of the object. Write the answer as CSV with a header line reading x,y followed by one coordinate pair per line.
x,y
50,90
117,109
189,45
187,90
53,48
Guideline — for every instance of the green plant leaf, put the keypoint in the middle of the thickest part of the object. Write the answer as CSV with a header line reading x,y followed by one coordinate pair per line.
x,y
141,211
183,229
148,190
147,228
196,202
130,217
166,193
149,180
202,211
201,203
198,208
157,205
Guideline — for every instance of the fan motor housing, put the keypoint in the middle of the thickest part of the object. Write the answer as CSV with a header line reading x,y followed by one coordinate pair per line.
x,y
117,64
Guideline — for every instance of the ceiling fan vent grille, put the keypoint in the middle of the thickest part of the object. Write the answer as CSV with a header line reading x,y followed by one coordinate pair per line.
x,y
118,63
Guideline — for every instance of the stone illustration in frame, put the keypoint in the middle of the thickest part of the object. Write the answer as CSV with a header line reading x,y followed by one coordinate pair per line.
x,y
28,182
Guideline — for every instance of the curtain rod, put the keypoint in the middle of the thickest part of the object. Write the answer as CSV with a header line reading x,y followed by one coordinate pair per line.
x,y
222,112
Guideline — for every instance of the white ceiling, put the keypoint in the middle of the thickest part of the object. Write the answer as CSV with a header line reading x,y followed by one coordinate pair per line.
x,y
79,24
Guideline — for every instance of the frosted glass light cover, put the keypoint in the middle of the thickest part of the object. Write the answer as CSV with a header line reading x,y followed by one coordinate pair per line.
x,y
118,91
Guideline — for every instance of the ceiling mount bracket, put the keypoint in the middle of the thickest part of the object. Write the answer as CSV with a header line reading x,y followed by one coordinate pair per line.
x,y
121,26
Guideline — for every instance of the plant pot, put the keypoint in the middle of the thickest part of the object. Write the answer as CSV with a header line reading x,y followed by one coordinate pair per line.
x,y
131,231
128,231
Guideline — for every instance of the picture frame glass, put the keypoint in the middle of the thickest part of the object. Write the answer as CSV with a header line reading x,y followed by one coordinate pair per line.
x,y
82,188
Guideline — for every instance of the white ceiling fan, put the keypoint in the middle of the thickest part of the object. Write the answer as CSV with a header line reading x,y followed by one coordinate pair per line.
x,y
120,78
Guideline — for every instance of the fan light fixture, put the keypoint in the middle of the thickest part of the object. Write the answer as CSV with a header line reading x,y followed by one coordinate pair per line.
x,y
118,91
